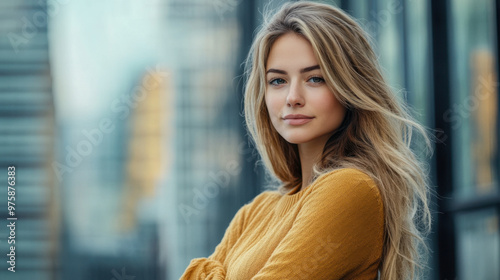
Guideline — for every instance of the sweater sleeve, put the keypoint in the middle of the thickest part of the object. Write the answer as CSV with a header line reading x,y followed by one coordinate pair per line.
x,y
213,267
338,229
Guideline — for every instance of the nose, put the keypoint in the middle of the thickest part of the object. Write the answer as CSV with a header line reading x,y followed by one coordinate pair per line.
x,y
295,97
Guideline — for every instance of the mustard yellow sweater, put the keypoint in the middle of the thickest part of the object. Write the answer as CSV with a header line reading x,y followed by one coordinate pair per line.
x,y
333,229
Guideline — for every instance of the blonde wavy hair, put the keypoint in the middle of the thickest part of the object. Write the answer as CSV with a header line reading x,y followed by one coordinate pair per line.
x,y
374,137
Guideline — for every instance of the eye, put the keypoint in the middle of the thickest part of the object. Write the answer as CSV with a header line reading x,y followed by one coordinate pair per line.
x,y
277,81
316,80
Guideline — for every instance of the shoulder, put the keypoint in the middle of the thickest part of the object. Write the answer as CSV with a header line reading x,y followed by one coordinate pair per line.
x,y
345,177
349,184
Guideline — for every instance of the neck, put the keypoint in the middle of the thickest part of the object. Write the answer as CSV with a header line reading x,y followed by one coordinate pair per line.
x,y
309,153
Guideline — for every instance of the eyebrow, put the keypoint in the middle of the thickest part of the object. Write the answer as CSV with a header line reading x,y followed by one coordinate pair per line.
x,y
304,70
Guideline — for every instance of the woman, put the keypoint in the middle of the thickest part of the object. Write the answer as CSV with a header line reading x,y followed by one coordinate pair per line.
x,y
353,194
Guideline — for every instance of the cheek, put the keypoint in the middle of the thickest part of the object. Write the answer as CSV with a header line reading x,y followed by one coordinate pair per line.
x,y
274,109
330,107
273,105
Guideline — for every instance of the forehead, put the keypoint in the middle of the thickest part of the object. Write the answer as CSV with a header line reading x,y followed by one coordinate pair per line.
x,y
291,52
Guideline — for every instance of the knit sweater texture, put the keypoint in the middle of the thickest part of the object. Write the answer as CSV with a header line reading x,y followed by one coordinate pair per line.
x,y
332,229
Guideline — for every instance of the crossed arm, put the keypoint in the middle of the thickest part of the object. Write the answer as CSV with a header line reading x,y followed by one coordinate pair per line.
x,y
338,229
212,268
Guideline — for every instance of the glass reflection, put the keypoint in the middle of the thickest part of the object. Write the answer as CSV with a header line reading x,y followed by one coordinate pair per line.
x,y
473,113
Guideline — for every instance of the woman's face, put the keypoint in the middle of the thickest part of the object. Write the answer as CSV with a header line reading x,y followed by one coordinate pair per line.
x,y
300,105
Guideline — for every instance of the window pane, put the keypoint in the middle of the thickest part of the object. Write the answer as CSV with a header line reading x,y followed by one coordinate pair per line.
x,y
419,66
360,10
383,21
478,245
473,110
389,21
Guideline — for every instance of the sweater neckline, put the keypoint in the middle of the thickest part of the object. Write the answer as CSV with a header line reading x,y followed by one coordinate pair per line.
x,y
295,190
289,199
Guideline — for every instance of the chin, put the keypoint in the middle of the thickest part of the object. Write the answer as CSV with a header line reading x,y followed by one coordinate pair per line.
x,y
296,139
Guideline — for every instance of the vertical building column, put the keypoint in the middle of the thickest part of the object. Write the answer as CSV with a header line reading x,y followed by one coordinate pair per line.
x,y
443,151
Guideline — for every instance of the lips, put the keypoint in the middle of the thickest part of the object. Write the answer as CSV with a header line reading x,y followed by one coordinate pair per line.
x,y
296,116
297,119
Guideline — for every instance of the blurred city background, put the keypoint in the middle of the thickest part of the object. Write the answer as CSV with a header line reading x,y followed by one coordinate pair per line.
x,y
123,119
